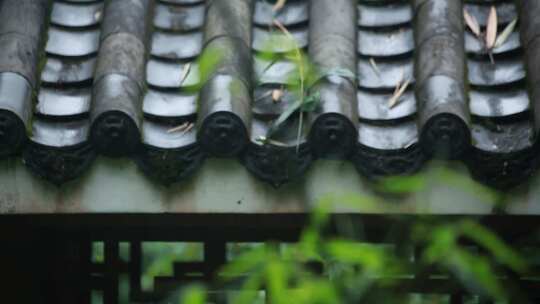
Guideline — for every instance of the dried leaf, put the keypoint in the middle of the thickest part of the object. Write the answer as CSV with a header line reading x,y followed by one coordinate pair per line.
x,y
98,15
375,67
400,81
276,95
282,28
396,90
279,5
185,73
397,95
188,128
411,142
181,127
503,37
276,143
472,23
491,31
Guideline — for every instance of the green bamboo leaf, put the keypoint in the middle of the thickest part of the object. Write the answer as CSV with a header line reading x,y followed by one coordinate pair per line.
x,y
277,277
503,37
487,239
283,117
309,244
312,290
402,184
341,72
208,62
249,292
368,256
475,272
193,295
442,241
320,215
246,262
277,42
311,102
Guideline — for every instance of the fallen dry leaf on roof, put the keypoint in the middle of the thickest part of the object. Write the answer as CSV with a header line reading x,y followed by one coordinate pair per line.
x,y
490,39
491,30
283,29
185,73
472,23
276,143
277,95
181,127
400,89
188,128
374,66
400,81
503,37
279,5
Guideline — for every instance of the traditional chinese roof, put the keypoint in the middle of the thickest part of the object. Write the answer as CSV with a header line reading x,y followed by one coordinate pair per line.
x,y
398,83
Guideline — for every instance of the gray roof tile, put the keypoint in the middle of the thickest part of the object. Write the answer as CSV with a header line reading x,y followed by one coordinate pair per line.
x,y
124,78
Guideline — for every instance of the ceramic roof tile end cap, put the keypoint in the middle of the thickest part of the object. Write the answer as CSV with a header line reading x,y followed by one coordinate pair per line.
x,y
446,136
15,112
116,113
12,133
19,56
505,153
223,134
114,119
504,171
333,135
225,102
444,117
332,48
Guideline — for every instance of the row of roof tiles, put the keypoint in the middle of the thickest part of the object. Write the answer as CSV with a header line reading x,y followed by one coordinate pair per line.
x,y
123,78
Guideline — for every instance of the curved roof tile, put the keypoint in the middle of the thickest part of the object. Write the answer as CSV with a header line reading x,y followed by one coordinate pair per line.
x,y
175,81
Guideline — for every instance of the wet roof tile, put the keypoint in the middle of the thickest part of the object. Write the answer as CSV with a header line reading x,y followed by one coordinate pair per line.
x,y
133,78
